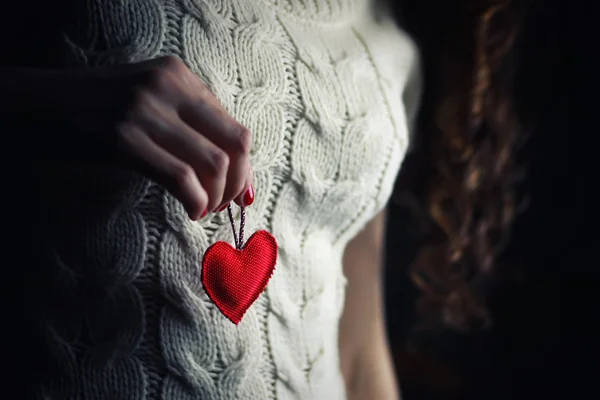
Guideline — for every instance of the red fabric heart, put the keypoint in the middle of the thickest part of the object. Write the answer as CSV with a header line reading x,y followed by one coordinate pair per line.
x,y
233,279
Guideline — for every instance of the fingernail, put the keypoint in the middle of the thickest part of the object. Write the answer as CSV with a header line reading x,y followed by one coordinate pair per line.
x,y
248,198
223,208
204,213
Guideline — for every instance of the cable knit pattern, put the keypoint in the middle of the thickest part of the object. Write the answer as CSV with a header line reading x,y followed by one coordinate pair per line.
x,y
320,84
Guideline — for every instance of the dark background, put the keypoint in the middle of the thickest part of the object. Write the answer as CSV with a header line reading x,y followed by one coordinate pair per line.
x,y
541,343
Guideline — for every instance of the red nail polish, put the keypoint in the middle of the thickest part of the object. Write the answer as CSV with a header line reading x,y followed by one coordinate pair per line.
x,y
223,208
248,198
204,214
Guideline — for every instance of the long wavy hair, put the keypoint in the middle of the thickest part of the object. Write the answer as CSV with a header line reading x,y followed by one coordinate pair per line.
x,y
468,141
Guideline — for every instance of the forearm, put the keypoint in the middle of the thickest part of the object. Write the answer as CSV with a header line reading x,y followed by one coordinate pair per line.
x,y
366,360
373,377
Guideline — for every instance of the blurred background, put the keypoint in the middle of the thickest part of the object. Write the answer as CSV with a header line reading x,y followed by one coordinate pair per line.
x,y
542,341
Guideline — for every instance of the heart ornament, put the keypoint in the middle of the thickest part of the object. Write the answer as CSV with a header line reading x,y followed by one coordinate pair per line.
x,y
234,277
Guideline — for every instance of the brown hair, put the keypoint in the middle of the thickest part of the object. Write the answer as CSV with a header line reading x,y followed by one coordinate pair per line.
x,y
469,137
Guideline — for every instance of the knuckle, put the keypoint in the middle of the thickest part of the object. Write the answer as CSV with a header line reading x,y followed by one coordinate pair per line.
x,y
141,99
159,79
243,141
202,92
125,137
183,176
124,132
141,104
172,63
197,206
218,164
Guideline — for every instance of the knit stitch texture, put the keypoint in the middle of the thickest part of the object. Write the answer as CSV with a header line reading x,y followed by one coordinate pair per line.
x,y
327,88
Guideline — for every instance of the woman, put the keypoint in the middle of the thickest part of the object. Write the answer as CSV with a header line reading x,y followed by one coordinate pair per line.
x,y
163,113
314,96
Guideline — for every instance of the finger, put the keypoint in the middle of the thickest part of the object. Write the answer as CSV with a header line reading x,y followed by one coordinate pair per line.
x,y
237,177
247,191
204,113
158,164
211,118
213,135
246,196
210,163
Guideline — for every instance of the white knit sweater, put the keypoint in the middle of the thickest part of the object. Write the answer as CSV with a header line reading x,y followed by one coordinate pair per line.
x,y
326,87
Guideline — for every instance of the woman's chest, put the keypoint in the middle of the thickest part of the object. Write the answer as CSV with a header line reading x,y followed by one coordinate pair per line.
x,y
311,94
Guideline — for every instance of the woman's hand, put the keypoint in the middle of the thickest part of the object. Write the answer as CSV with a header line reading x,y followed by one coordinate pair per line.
x,y
162,120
